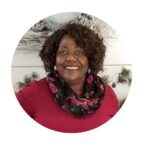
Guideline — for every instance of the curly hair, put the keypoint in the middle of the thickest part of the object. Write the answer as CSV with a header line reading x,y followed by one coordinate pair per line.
x,y
84,38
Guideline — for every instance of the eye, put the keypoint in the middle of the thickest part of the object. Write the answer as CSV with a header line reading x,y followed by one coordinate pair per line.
x,y
62,52
80,52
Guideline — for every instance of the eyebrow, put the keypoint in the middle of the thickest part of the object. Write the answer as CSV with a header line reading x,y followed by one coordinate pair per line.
x,y
63,46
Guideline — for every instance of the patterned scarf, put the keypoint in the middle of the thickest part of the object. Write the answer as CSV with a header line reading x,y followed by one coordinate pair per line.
x,y
90,101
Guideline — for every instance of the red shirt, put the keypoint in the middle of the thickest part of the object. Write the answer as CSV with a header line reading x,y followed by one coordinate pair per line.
x,y
38,101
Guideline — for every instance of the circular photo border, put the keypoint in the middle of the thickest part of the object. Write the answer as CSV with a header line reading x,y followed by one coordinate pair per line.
x,y
35,93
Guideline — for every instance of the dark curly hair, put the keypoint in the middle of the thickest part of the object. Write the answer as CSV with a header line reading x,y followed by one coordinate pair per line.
x,y
84,38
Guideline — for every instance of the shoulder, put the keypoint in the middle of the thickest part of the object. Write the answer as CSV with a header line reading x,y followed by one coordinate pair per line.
x,y
33,88
110,96
109,90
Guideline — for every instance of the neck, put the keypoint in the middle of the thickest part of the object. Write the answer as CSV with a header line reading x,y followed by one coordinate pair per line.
x,y
77,87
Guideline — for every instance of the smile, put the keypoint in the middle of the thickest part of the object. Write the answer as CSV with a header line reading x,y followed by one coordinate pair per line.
x,y
72,68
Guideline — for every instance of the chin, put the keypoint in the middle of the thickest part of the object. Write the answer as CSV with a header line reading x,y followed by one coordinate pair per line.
x,y
71,78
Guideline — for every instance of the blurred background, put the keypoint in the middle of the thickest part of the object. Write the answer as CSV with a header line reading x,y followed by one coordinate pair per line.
x,y
27,66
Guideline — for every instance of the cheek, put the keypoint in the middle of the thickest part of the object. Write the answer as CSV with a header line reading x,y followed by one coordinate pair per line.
x,y
59,61
59,65
85,64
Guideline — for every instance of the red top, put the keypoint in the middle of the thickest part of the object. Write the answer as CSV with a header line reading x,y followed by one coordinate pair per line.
x,y
38,101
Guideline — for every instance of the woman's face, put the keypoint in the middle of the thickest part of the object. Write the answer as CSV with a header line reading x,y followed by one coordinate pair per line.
x,y
71,61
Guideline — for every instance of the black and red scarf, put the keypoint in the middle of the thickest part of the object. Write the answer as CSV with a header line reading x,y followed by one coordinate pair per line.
x,y
93,94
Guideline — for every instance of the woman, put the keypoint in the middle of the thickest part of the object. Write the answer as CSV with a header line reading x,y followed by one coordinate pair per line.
x,y
72,98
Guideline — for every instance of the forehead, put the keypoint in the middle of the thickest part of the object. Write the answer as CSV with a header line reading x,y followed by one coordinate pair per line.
x,y
67,40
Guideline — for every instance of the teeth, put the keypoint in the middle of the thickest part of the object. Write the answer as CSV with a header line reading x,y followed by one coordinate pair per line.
x,y
72,68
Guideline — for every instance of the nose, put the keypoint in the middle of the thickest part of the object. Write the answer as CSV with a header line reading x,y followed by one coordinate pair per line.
x,y
70,57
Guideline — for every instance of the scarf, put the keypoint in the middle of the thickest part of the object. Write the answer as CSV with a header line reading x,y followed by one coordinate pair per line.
x,y
90,101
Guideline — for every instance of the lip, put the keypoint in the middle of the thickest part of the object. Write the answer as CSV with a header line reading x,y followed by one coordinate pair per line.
x,y
72,67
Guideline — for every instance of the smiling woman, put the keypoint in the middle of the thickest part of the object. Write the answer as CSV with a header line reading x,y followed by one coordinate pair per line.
x,y
72,98
72,63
